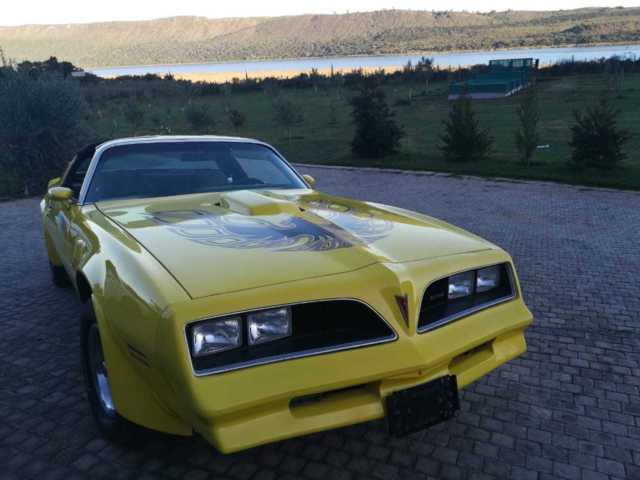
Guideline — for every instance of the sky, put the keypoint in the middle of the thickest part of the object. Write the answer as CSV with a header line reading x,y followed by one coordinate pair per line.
x,y
21,12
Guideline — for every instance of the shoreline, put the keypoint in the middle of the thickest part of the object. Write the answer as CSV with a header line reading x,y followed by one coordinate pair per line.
x,y
425,53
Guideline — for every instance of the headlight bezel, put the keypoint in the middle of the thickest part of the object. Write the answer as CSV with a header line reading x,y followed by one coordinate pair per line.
x,y
485,300
243,320
194,330
310,336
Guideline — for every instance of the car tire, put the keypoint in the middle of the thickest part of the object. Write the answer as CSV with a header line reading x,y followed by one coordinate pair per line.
x,y
59,276
112,425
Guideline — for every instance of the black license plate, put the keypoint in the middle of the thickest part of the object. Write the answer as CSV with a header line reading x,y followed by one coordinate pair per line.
x,y
423,406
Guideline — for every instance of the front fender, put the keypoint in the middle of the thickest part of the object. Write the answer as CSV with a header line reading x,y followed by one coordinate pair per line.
x,y
130,291
129,378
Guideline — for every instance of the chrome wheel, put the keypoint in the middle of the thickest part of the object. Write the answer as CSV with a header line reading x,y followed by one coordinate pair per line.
x,y
98,371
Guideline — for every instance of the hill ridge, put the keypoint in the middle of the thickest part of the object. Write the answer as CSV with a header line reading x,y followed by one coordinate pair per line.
x,y
195,39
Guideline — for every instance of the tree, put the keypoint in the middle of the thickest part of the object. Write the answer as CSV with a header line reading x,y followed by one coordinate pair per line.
x,y
463,140
236,118
377,133
52,65
286,113
134,115
41,127
199,117
614,71
4,63
425,68
315,77
526,135
596,139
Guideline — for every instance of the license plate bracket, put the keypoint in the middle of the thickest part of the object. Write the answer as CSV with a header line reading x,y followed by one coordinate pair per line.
x,y
423,406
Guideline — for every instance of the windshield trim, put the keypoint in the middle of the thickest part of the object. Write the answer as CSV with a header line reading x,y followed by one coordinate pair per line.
x,y
151,140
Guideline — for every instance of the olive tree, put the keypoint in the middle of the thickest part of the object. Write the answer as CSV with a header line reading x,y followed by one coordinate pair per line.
x,y
41,126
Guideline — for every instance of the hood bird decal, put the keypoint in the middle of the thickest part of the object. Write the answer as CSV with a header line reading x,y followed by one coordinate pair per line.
x,y
324,227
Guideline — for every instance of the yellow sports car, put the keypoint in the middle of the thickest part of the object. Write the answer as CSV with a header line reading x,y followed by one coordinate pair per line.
x,y
224,295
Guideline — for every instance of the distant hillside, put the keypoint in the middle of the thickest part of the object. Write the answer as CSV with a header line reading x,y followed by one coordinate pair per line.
x,y
195,39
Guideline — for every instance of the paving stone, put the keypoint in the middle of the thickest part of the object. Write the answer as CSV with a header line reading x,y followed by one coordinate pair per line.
x,y
568,408
610,467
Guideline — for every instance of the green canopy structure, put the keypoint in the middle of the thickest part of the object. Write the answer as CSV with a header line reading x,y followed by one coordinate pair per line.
x,y
503,78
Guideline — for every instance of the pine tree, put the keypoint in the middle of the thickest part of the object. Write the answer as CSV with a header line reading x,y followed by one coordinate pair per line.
x,y
596,139
377,133
463,140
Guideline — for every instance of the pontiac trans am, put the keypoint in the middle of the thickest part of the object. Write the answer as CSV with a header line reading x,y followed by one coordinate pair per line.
x,y
224,295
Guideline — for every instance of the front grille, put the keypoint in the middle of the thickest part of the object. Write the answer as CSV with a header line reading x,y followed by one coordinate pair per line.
x,y
437,309
316,328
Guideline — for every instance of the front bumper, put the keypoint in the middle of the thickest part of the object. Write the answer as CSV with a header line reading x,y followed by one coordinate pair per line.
x,y
257,405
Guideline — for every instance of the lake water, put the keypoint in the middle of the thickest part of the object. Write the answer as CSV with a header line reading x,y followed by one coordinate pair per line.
x,y
458,59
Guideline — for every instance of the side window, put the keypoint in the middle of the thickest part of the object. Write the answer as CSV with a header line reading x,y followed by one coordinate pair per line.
x,y
75,174
77,169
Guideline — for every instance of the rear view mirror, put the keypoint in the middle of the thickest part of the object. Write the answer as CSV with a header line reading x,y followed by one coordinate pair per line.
x,y
60,193
310,180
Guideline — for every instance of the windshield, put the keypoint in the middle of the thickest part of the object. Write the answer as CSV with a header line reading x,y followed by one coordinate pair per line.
x,y
179,168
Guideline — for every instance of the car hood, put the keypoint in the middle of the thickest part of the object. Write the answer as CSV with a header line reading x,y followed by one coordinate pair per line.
x,y
221,242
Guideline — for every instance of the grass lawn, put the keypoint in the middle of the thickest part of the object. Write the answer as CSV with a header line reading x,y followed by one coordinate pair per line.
x,y
324,134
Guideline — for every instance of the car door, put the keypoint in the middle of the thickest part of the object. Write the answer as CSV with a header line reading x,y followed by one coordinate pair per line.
x,y
63,216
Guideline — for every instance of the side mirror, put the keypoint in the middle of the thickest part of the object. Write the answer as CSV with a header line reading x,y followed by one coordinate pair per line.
x,y
310,180
60,193
54,182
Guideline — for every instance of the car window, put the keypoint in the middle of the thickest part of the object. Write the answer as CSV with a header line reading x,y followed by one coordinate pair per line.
x,y
262,168
178,168
74,174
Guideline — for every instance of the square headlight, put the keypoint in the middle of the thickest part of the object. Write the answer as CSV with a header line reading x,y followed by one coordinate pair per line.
x,y
461,285
216,336
488,278
269,325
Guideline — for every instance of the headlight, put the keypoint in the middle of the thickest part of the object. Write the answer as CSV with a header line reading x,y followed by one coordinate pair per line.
x,y
461,285
462,294
269,325
488,278
216,336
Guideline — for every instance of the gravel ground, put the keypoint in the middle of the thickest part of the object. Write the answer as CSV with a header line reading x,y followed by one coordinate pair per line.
x,y
569,408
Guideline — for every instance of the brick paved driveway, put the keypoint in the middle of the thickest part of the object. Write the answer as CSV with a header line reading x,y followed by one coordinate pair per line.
x,y
570,408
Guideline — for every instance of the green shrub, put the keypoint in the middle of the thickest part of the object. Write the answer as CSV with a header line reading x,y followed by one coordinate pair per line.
x,y
41,127
596,139
134,114
236,118
463,140
199,117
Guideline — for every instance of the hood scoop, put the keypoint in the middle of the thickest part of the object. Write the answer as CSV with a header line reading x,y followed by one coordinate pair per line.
x,y
251,203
